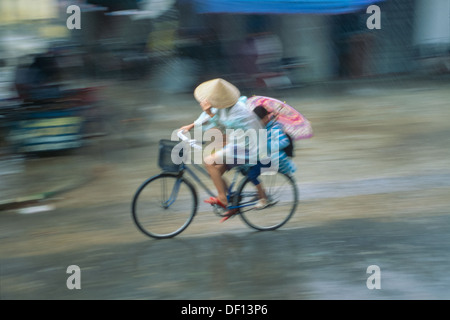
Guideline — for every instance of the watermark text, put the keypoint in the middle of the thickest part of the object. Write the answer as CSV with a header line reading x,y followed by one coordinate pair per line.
x,y
74,20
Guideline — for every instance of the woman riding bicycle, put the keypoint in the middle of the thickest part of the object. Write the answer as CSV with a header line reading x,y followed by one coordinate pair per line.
x,y
223,110
165,204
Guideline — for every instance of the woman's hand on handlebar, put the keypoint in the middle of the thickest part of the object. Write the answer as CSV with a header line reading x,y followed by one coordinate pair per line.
x,y
192,142
187,128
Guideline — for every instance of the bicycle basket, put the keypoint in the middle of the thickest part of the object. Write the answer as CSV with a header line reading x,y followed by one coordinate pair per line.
x,y
165,162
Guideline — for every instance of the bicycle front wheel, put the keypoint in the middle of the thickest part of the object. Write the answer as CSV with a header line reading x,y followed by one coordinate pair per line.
x,y
164,206
282,193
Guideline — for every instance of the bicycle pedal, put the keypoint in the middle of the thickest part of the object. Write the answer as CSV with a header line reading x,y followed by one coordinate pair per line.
x,y
218,209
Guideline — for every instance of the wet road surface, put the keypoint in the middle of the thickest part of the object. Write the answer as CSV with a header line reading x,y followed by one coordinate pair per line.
x,y
326,261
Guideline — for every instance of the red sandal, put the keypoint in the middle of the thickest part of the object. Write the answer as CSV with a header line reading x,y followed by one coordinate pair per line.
x,y
213,201
229,214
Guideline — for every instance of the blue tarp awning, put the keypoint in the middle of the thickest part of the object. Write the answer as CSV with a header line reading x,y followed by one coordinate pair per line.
x,y
282,6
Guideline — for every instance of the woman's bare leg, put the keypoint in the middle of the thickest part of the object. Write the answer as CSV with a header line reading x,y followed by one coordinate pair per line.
x,y
216,171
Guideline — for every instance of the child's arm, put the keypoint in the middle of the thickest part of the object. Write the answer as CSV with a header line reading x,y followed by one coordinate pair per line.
x,y
283,138
278,138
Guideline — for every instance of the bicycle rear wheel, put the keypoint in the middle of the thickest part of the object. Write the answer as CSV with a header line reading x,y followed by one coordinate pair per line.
x,y
282,192
164,206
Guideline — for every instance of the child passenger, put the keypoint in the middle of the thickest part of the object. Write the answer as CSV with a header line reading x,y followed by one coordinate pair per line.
x,y
279,140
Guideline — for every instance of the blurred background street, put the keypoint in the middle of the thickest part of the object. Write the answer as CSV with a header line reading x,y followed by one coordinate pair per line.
x,y
82,112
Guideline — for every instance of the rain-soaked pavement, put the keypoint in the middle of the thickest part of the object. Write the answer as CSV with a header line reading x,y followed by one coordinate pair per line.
x,y
326,261
374,185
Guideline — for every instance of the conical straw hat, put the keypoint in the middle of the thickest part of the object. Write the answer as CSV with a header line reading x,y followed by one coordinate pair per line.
x,y
218,92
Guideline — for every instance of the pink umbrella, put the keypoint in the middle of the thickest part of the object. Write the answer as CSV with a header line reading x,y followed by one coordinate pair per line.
x,y
293,122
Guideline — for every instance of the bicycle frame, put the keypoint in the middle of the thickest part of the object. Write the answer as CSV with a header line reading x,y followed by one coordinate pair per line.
x,y
230,191
184,167
196,178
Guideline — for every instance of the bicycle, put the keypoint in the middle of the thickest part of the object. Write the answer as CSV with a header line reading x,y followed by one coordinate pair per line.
x,y
164,205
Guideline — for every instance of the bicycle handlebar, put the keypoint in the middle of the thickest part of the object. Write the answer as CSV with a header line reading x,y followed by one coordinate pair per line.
x,y
192,142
